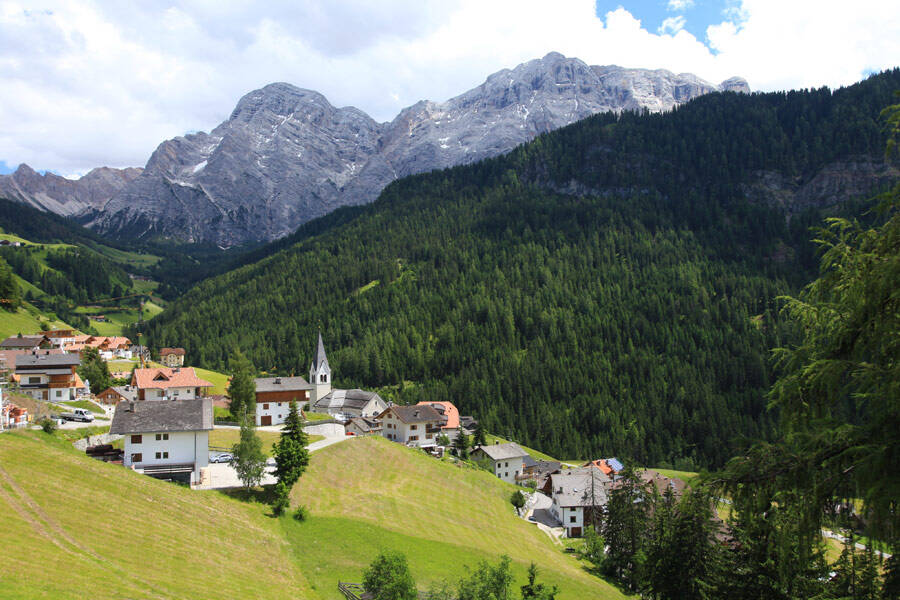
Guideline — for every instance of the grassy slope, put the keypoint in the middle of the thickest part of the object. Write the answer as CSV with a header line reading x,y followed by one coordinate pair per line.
x,y
369,494
219,380
25,323
81,528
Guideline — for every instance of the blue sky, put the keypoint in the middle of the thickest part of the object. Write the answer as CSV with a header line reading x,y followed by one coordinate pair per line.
x,y
669,16
87,83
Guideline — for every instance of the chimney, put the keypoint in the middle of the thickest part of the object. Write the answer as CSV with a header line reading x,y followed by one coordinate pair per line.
x,y
131,406
278,380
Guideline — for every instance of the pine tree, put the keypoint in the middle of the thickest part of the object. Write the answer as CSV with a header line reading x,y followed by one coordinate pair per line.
x,y
479,438
626,528
94,369
461,445
291,455
242,389
537,591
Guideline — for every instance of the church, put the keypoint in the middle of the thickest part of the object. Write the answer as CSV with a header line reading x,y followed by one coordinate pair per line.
x,y
341,404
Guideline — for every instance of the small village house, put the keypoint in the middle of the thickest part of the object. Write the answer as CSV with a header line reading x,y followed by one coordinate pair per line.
x,y
119,393
168,440
352,403
450,424
507,461
412,425
164,383
578,498
363,426
46,376
274,395
61,337
172,357
26,342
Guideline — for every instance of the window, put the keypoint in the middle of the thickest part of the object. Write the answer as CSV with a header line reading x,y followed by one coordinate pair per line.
x,y
265,407
136,439
429,436
572,519
506,464
413,438
159,393
136,458
34,380
162,455
59,393
413,427
162,436
506,474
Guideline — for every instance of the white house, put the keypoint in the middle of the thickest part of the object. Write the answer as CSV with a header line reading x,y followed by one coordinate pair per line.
x,y
578,495
274,395
507,460
354,403
46,376
412,425
169,440
163,383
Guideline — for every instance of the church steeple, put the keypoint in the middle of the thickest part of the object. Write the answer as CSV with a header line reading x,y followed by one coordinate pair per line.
x,y
319,373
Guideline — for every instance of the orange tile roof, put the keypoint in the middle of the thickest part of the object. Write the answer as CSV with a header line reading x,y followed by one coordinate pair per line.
x,y
164,377
450,411
175,351
602,465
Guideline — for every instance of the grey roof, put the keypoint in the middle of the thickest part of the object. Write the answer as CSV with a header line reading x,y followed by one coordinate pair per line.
x,y
128,392
572,487
544,467
320,357
281,384
416,413
42,361
340,399
364,424
151,416
503,451
26,341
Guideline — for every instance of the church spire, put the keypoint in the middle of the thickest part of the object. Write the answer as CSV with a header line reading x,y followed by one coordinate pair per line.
x,y
319,359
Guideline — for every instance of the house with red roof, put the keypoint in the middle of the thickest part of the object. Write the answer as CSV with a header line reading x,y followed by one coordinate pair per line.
x,y
449,417
164,383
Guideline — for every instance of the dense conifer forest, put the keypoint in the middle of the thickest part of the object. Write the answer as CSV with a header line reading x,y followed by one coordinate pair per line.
x,y
608,288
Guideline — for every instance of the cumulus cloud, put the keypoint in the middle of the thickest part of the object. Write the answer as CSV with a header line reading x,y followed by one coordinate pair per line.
x,y
86,82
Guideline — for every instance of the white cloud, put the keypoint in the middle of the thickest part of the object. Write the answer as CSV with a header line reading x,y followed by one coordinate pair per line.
x,y
679,5
672,25
90,82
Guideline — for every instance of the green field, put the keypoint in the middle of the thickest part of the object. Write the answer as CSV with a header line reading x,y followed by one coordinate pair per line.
x,y
86,404
686,476
219,380
312,417
226,438
81,527
367,494
22,321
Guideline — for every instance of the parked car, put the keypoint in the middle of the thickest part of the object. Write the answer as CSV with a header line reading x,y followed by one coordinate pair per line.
x,y
78,414
223,457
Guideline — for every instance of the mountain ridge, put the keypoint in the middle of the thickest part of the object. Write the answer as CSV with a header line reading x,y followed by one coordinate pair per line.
x,y
286,155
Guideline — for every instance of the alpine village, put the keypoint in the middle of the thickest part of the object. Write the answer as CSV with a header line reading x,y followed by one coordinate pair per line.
x,y
580,332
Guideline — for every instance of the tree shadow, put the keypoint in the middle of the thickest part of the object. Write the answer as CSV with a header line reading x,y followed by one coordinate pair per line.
x,y
263,494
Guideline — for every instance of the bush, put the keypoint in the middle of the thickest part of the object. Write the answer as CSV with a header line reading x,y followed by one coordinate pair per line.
x,y
301,513
281,501
48,425
517,499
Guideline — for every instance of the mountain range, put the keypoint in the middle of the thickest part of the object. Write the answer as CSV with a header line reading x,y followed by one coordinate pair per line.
x,y
285,155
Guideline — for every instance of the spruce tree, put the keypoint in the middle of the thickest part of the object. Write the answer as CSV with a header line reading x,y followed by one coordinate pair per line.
x,y
479,438
291,455
242,389
461,445
626,529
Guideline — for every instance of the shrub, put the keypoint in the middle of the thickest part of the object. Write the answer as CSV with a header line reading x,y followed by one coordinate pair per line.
x,y
301,513
48,425
517,499
281,500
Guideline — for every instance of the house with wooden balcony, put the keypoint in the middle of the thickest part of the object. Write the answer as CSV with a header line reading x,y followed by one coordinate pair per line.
x,y
163,383
46,376
416,425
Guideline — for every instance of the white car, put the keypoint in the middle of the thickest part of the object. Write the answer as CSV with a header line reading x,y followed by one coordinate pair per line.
x,y
223,457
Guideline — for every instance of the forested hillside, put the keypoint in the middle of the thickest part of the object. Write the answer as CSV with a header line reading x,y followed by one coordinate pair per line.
x,y
609,288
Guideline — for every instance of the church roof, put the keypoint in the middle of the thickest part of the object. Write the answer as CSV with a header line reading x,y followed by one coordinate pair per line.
x,y
319,359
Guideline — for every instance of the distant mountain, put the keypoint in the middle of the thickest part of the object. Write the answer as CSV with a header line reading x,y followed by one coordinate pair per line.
x,y
67,197
286,155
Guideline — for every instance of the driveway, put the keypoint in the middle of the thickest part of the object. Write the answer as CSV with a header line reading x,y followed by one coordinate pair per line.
x,y
544,519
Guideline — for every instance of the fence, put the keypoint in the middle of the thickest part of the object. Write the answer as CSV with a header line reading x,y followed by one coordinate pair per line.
x,y
352,591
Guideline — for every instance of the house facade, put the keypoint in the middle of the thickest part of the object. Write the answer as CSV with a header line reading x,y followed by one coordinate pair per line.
x,y
118,393
411,425
363,426
578,498
164,383
172,357
46,376
508,460
274,395
168,440
353,403
450,419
